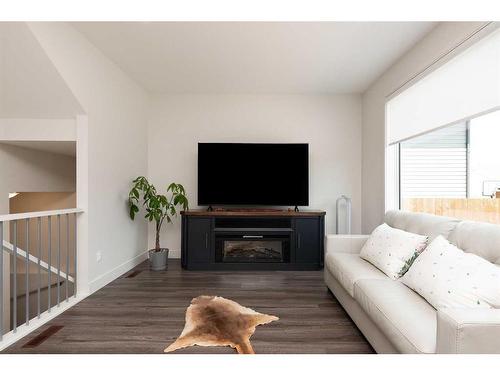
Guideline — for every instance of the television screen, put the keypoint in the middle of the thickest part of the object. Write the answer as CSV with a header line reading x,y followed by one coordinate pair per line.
x,y
253,174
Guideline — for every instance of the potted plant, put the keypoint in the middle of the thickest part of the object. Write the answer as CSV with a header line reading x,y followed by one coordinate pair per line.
x,y
158,209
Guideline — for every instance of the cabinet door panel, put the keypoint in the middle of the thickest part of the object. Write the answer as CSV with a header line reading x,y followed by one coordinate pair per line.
x,y
198,242
307,240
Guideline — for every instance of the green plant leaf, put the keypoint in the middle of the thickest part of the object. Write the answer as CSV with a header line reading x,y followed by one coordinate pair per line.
x,y
157,206
135,192
132,212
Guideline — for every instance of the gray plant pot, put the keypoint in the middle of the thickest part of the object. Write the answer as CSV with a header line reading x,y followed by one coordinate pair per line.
x,y
158,259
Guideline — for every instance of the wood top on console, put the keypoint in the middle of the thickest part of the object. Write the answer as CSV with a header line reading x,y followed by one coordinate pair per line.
x,y
253,212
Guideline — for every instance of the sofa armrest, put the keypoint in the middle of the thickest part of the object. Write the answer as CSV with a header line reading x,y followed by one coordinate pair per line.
x,y
345,243
463,330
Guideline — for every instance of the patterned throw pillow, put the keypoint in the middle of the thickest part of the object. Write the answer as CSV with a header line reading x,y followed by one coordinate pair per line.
x,y
448,277
392,250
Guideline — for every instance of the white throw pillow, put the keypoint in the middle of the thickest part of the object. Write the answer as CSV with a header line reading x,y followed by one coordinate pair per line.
x,y
448,277
392,250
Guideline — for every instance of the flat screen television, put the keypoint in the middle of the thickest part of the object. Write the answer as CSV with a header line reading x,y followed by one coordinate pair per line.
x,y
263,174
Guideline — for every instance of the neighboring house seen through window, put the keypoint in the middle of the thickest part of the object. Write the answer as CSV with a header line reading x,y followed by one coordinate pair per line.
x,y
454,171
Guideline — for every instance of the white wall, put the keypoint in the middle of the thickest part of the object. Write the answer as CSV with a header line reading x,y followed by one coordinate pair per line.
x,y
116,109
26,170
37,129
438,42
330,124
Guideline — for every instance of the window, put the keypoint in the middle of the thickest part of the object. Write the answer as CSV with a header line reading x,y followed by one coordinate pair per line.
x,y
435,164
443,135
453,171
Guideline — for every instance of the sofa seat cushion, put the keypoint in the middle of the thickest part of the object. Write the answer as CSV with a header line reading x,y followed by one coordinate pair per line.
x,y
406,319
349,268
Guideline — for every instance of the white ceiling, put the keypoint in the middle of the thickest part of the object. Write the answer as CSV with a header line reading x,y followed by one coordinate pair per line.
x,y
67,148
254,57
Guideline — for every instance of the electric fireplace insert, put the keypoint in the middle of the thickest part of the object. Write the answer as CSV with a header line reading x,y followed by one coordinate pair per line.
x,y
253,248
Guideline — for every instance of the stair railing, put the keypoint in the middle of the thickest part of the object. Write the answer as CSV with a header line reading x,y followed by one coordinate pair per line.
x,y
43,252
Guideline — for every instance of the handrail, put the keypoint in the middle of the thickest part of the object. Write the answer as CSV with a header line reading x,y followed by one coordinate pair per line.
x,y
20,252
29,215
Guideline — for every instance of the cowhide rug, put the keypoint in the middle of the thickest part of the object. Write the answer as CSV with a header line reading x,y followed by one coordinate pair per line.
x,y
217,321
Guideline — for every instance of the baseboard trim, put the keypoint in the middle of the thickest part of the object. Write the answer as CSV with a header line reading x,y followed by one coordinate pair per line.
x,y
174,254
116,272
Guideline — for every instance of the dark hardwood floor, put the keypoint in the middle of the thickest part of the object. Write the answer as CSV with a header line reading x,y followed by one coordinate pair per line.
x,y
143,312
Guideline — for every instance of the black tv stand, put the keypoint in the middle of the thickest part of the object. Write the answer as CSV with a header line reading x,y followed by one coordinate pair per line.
x,y
296,209
210,209
252,239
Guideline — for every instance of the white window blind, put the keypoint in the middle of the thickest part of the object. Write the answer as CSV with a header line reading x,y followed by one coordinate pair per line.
x,y
466,86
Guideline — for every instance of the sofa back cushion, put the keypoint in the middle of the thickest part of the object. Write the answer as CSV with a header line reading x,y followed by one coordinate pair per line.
x,y
423,224
482,239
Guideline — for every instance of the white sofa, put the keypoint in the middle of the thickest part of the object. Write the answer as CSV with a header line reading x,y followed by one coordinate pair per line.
x,y
395,319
